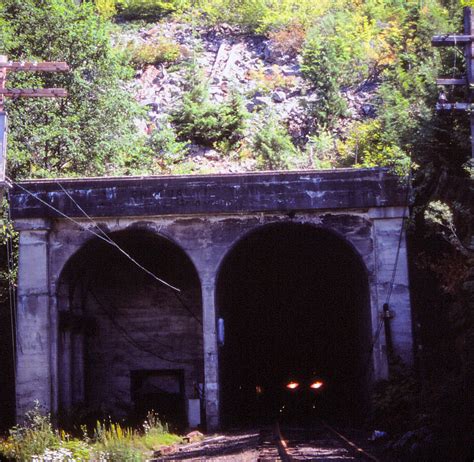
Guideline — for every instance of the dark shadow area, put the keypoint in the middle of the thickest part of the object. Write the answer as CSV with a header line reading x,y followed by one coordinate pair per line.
x,y
129,344
294,299
7,377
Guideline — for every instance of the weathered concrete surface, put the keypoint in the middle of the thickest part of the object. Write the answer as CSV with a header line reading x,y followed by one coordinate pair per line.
x,y
120,330
243,193
204,217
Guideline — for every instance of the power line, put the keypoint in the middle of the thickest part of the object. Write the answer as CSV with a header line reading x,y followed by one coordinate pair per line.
x,y
100,236
111,241
128,337
400,238
390,290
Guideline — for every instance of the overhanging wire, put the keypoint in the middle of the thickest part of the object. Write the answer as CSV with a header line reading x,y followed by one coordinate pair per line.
x,y
112,242
400,238
129,338
392,283
105,239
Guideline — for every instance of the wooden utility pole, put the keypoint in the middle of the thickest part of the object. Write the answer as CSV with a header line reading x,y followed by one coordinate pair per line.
x,y
10,66
466,41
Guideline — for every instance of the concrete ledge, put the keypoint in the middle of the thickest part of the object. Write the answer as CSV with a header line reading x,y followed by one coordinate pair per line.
x,y
214,194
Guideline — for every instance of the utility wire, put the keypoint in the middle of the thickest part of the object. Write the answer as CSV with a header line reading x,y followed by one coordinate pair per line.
x,y
112,242
390,290
100,236
129,338
112,318
400,238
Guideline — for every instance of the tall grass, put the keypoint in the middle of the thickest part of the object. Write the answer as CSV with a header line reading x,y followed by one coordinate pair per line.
x,y
36,440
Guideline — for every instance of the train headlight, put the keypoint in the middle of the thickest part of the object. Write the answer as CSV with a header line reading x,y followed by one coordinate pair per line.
x,y
316,385
292,385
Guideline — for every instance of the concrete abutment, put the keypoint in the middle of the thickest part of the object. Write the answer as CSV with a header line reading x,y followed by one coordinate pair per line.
x,y
204,217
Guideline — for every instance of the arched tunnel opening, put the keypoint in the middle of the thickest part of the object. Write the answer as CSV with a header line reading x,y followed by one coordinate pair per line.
x,y
295,307
127,343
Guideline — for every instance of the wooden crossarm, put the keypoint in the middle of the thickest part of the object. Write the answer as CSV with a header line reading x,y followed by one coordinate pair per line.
x,y
33,92
36,67
454,107
451,81
450,40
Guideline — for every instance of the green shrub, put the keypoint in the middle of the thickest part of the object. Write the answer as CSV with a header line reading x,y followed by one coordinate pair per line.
x,y
265,15
84,133
273,147
266,82
80,450
165,148
323,150
149,10
396,402
288,40
106,8
31,438
156,433
161,51
116,443
205,122
367,145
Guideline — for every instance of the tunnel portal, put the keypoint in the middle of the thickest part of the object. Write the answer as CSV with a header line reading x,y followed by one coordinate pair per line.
x,y
295,305
128,344
297,264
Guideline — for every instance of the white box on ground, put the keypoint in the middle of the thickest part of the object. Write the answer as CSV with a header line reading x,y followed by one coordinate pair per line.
x,y
194,412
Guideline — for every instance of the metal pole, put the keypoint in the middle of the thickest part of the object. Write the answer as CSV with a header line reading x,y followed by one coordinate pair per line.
x,y
469,55
3,147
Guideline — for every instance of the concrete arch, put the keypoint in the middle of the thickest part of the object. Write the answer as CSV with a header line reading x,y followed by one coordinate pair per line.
x,y
277,291
160,230
314,222
138,331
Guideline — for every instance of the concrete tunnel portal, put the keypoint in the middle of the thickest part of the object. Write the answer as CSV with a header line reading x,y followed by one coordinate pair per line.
x,y
295,304
129,344
295,263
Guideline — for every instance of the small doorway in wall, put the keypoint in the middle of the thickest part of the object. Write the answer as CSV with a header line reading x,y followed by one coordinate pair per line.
x,y
160,391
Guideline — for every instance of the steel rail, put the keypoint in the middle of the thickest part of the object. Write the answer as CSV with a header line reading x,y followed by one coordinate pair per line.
x,y
283,446
353,445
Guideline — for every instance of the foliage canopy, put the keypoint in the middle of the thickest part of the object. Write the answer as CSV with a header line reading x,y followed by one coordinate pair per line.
x,y
87,132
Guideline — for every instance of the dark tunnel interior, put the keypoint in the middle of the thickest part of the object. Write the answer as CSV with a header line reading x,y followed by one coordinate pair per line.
x,y
128,344
294,300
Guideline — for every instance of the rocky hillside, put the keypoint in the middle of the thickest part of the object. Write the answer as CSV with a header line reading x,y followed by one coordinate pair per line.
x,y
265,71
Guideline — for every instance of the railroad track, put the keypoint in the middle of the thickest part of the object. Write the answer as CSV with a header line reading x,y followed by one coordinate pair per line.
x,y
275,443
319,443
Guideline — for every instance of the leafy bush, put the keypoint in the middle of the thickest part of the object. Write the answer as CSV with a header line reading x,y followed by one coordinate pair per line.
x,y
86,132
396,402
106,8
369,146
265,82
116,443
345,48
165,148
322,67
322,150
265,15
149,10
156,433
162,51
273,146
206,123
289,39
